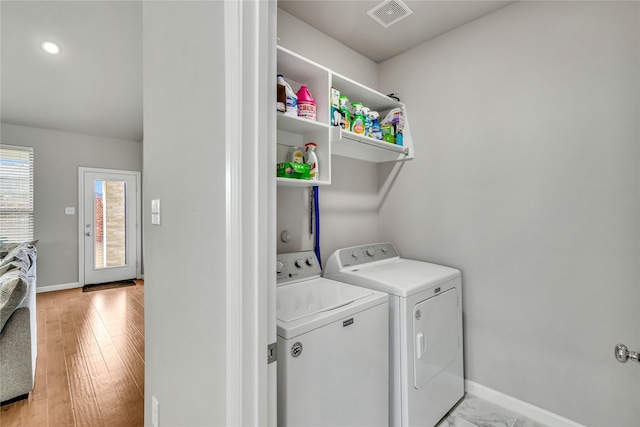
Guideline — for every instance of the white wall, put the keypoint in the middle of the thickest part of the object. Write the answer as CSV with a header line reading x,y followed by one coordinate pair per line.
x,y
526,177
305,40
57,156
184,167
348,204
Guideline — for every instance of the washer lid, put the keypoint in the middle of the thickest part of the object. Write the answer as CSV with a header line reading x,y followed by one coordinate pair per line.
x,y
401,277
304,306
299,300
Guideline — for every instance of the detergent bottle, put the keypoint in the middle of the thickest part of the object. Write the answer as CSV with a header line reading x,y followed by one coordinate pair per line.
x,y
292,99
306,103
345,119
312,160
357,126
376,131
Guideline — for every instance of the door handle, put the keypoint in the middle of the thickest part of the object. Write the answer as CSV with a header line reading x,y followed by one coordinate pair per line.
x,y
420,345
623,354
88,234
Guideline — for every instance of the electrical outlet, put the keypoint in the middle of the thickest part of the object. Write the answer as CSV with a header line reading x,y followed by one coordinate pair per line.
x,y
154,411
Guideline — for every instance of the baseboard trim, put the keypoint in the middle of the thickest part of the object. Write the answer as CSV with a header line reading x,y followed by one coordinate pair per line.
x,y
61,287
523,408
15,399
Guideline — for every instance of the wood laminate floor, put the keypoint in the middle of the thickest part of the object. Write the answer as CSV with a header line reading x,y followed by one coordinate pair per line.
x,y
90,366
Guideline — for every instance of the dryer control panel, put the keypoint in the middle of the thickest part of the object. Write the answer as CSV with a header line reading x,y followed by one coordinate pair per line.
x,y
358,255
296,266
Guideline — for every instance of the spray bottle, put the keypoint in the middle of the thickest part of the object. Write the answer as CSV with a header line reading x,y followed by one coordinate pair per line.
x,y
367,121
312,160
292,99
357,126
345,119
376,131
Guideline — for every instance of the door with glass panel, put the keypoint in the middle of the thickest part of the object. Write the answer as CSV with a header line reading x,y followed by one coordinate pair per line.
x,y
109,226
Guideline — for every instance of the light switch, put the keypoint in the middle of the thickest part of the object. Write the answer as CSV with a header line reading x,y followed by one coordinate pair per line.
x,y
155,212
70,211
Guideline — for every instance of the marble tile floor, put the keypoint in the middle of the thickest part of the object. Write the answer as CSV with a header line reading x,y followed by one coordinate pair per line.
x,y
472,411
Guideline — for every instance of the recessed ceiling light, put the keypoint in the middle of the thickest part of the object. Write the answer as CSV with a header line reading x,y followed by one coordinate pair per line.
x,y
51,47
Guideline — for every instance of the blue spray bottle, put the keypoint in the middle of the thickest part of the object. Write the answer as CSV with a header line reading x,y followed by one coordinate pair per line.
x,y
376,130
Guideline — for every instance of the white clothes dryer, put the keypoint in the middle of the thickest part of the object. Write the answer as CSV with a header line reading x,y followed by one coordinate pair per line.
x,y
332,348
426,375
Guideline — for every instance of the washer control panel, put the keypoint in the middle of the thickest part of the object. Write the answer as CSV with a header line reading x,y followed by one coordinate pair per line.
x,y
368,253
296,266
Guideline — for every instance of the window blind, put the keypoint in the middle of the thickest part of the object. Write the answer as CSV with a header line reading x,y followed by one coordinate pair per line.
x,y
16,193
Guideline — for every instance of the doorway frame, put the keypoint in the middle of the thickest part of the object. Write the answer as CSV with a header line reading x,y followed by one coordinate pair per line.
x,y
250,64
81,218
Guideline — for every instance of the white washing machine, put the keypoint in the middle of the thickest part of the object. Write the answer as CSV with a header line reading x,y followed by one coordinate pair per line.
x,y
425,323
332,348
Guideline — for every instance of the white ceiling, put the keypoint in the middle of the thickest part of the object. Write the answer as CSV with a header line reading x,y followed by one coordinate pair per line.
x,y
94,86
348,22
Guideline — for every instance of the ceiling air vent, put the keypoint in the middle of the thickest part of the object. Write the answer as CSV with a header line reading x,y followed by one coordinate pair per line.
x,y
389,12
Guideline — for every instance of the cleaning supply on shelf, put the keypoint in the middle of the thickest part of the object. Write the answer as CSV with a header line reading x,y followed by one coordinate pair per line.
x,y
335,106
281,99
357,126
291,97
376,131
292,170
400,129
306,103
387,134
312,160
295,155
367,121
345,114
392,117
396,119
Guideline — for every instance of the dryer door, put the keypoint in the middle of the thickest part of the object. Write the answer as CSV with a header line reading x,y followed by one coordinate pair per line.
x,y
435,334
